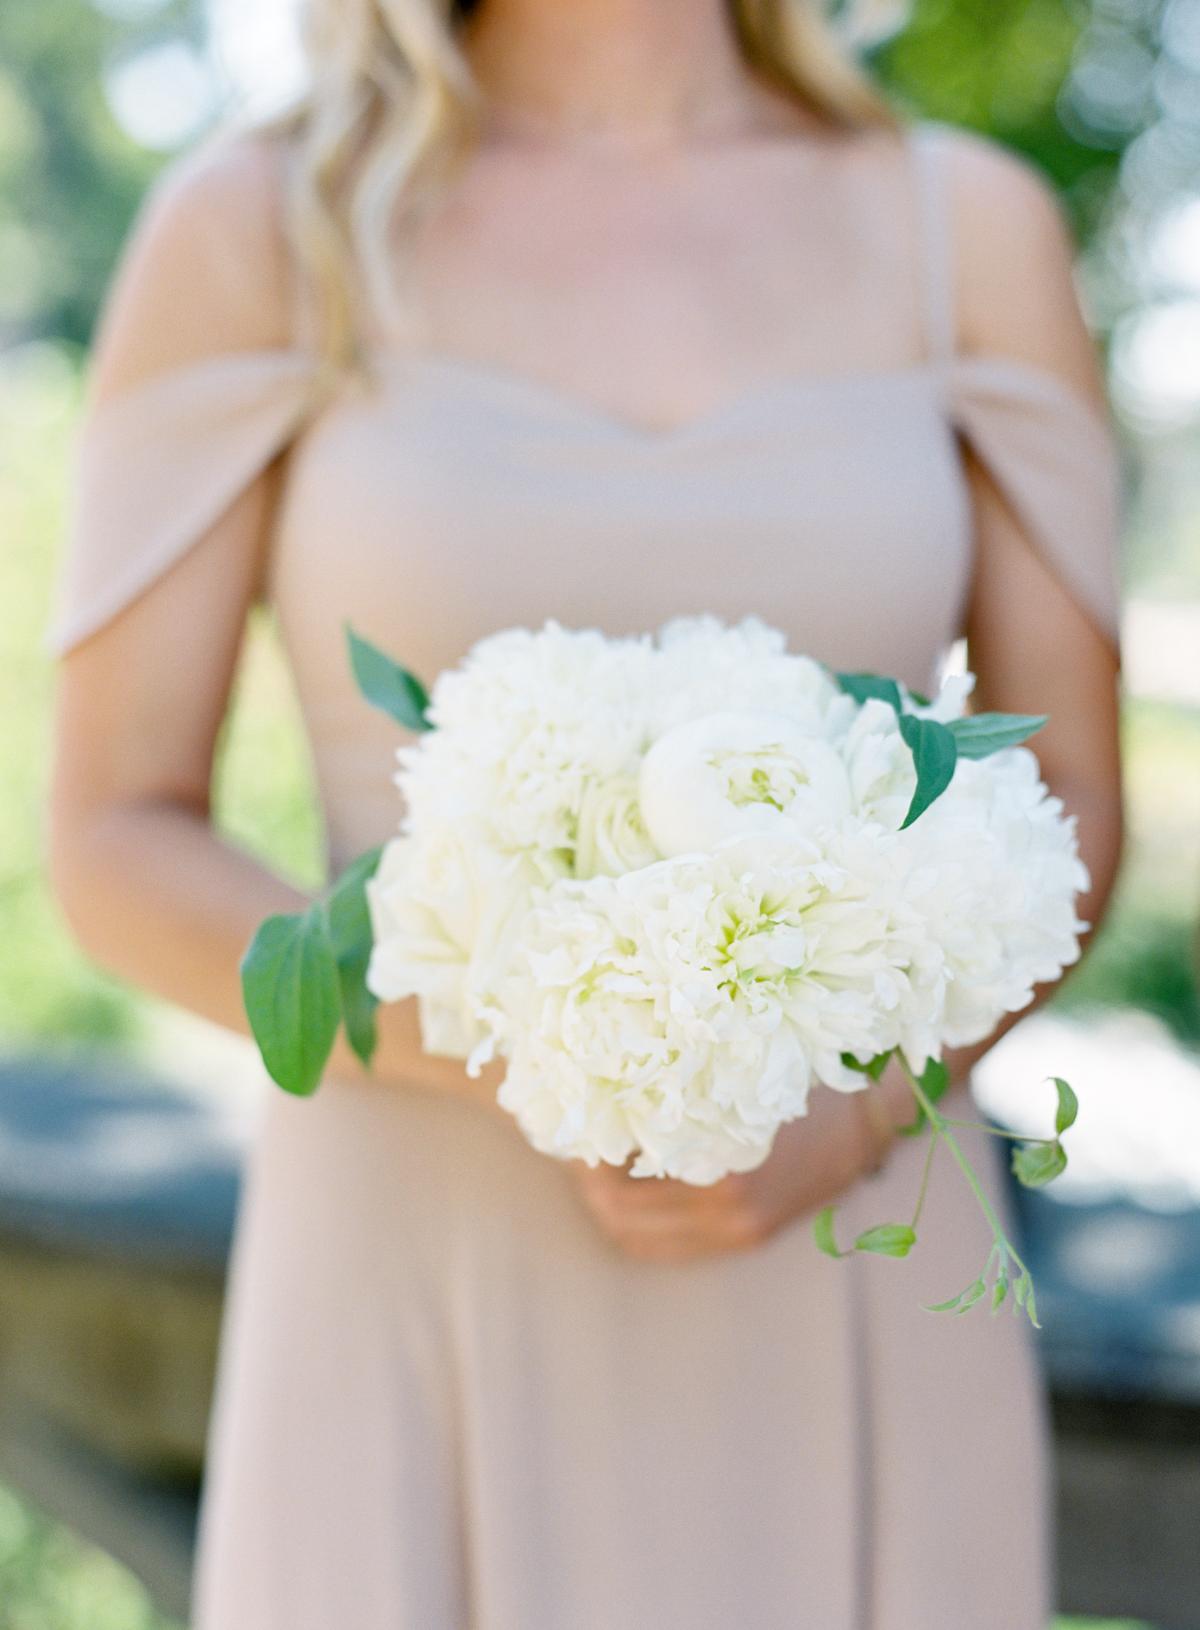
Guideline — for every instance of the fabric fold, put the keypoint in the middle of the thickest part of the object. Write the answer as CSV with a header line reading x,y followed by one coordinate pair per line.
x,y
1053,456
155,468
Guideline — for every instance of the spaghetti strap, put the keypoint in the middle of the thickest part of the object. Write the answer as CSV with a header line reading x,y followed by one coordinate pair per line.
x,y
935,271
304,318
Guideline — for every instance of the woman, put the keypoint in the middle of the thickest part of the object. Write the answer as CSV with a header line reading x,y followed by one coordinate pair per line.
x,y
694,324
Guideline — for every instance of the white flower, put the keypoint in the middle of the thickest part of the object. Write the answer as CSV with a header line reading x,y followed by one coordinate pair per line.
x,y
949,703
730,774
666,881
611,836
684,1010
995,875
704,666
522,728
443,908
879,764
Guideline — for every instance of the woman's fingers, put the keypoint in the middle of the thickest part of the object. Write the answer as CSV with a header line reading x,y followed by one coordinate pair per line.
x,y
661,1219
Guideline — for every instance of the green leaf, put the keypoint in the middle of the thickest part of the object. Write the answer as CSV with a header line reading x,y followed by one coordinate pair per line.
x,y
1035,1164
935,1080
1068,1105
945,1307
981,734
870,687
823,1233
974,1293
999,1291
352,939
291,996
1031,1307
873,1067
386,685
917,697
1021,1289
934,756
887,1239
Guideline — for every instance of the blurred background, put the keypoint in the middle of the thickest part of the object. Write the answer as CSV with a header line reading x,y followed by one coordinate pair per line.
x,y
122,1122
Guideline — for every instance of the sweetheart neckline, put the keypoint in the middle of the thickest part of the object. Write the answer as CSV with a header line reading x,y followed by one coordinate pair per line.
x,y
955,379
513,381
926,371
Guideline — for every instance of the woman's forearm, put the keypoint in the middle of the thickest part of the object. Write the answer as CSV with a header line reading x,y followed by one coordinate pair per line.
x,y
155,895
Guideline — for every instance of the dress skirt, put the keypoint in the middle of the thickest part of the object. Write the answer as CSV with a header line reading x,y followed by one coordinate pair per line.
x,y
446,1402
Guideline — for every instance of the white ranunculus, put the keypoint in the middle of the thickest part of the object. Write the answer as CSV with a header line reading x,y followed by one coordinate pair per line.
x,y
611,837
730,774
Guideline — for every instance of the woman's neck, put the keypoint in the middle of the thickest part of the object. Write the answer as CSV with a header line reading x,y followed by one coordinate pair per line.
x,y
618,73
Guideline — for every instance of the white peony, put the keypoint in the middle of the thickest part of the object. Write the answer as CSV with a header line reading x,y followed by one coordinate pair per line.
x,y
995,873
666,881
705,666
443,908
683,1011
730,774
950,702
522,728
611,837
879,765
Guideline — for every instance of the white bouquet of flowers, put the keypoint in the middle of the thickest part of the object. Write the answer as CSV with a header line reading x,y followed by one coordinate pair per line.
x,y
674,882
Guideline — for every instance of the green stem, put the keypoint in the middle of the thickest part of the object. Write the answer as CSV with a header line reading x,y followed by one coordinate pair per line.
x,y
941,1128
996,1131
933,1143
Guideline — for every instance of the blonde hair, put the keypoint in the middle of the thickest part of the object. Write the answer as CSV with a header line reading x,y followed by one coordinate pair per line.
x,y
393,107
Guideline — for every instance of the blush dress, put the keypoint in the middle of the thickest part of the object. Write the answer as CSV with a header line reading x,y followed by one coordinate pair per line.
x,y
444,1401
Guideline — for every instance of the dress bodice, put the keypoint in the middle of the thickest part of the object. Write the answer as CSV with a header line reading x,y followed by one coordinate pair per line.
x,y
439,500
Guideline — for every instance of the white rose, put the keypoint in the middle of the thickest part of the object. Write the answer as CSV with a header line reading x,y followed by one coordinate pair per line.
x,y
737,773
612,837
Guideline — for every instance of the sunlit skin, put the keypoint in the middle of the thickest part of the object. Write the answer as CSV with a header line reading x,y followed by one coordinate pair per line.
x,y
641,229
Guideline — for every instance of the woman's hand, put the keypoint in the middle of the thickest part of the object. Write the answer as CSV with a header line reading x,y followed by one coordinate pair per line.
x,y
813,1160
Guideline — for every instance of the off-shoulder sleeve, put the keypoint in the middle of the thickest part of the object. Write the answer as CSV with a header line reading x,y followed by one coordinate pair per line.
x,y
155,469
200,387
1054,458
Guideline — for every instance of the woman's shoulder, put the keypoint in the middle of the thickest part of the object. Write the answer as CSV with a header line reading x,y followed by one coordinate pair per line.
x,y
233,183
207,264
988,190
999,194
1013,258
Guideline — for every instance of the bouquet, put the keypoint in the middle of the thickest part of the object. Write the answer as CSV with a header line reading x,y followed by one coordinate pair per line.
x,y
674,883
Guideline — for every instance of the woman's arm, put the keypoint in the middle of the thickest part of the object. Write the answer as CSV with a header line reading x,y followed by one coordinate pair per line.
x,y
1033,649
1031,645
149,889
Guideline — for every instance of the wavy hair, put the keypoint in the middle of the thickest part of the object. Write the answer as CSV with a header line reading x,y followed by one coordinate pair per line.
x,y
392,109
